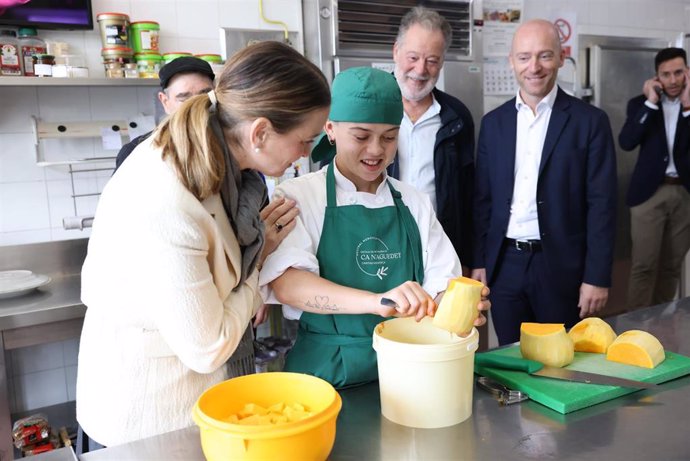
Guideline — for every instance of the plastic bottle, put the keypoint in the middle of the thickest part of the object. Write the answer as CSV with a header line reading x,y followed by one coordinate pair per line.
x,y
10,62
29,45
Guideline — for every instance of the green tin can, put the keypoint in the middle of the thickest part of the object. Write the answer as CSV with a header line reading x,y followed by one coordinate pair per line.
x,y
144,36
148,64
210,58
167,57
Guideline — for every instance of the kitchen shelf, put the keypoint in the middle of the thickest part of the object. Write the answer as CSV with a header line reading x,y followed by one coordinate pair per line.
x,y
50,81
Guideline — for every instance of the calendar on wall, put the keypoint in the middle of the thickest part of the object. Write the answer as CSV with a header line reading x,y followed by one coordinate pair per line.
x,y
499,78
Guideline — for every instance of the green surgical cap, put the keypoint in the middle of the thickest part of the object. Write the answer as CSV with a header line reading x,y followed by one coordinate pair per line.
x,y
361,95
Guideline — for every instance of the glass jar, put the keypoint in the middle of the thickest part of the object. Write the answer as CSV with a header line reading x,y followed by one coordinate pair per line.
x,y
114,60
131,70
43,65
29,45
10,56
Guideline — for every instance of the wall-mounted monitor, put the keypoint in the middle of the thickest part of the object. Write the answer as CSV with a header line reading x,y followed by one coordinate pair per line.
x,y
47,14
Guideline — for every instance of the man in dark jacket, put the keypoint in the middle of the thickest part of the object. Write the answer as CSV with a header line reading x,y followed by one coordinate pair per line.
x,y
180,79
658,121
436,140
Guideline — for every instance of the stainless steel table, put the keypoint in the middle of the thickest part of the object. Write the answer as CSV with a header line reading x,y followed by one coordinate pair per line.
x,y
650,424
54,312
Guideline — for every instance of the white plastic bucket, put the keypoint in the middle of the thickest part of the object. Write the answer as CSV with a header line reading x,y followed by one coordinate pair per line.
x,y
425,373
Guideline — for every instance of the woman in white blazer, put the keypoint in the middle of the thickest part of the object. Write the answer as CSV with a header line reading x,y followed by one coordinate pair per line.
x,y
170,279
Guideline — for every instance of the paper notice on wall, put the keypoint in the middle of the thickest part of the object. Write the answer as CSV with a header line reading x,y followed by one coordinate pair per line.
x,y
112,140
499,78
501,18
141,124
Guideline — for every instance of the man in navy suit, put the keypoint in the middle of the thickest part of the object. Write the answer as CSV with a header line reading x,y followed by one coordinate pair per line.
x,y
658,121
545,195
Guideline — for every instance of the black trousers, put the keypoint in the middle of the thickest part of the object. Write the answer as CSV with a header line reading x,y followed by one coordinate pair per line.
x,y
524,290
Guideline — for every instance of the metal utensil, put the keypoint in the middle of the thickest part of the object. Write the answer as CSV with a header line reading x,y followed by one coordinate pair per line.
x,y
500,392
538,369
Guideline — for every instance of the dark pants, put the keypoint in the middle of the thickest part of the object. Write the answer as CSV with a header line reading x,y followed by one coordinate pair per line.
x,y
524,290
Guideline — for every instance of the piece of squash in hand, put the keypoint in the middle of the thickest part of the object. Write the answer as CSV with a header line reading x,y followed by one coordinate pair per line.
x,y
592,335
636,347
547,343
458,308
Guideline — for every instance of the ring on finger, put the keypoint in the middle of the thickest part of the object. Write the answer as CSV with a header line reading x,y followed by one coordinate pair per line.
x,y
279,227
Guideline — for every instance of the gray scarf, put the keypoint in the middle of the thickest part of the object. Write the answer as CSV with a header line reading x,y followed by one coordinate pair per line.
x,y
244,194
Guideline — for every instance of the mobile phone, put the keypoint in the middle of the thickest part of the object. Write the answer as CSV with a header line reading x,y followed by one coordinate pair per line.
x,y
659,90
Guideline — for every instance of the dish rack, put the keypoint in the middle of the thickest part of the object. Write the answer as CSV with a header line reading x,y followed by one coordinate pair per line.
x,y
71,130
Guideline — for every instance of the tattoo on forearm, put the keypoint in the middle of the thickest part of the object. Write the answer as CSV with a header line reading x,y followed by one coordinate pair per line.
x,y
321,303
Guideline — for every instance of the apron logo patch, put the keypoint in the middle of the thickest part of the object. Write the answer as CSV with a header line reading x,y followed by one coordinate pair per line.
x,y
374,257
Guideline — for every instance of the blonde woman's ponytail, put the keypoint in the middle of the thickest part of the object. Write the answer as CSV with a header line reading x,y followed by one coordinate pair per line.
x,y
189,143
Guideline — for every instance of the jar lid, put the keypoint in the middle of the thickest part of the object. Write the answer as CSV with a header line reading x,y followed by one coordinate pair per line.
x,y
27,31
124,49
43,56
121,51
177,53
148,56
9,32
102,16
215,58
143,23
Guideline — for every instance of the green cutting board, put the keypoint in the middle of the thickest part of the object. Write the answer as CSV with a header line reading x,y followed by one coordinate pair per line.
x,y
568,396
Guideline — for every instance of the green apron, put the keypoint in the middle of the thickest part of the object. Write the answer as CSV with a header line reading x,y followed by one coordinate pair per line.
x,y
369,249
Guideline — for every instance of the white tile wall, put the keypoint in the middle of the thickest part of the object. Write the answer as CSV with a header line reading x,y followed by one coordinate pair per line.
x,y
40,389
42,375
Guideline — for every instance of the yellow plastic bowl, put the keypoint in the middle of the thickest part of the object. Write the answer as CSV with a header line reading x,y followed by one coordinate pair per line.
x,y
311,438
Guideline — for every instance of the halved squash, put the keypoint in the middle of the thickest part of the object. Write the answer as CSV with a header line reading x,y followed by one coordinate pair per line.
x,y
592,335
547,343
636,347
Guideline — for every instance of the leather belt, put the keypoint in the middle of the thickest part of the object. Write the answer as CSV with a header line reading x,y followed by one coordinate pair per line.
x,y
673,181
524,245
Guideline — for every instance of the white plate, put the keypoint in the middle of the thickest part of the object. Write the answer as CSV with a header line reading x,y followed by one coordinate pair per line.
x,y
20,282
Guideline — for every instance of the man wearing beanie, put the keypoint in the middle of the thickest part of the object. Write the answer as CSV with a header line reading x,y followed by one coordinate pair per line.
x,y
180,79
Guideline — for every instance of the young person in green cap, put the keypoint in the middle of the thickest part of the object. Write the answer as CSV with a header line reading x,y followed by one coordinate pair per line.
x,y
361,239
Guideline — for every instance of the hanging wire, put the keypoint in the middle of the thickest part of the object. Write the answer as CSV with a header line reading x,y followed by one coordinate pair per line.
x,y
270,21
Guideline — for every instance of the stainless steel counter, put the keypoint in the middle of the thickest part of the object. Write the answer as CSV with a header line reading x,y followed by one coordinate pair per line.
x,y
56,301
650,424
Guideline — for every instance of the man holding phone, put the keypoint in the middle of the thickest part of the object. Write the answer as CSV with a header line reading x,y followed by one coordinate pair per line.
x,y
658,121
